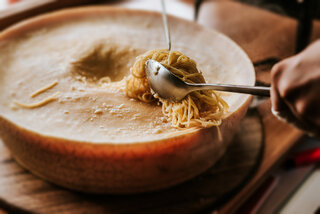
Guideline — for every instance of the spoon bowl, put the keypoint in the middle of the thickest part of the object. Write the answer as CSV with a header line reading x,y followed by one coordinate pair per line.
x,y
164,83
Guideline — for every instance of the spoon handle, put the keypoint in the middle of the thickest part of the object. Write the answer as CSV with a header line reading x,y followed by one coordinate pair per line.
x,y
254,90
165,24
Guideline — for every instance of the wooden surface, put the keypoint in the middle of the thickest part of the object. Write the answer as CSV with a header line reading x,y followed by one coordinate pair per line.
x,y
20,190
267,38
29,8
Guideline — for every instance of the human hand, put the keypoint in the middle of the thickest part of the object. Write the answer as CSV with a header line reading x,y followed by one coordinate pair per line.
x,y
295,89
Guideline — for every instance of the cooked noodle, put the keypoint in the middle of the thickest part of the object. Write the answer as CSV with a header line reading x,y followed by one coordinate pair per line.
x,y
38,104
201,108
45,88
36,93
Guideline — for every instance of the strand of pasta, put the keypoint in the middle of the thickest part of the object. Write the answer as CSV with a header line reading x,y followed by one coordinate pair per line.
x,y
38,104
45,88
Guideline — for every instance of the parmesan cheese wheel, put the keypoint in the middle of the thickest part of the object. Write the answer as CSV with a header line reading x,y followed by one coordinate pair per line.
x,y
91,137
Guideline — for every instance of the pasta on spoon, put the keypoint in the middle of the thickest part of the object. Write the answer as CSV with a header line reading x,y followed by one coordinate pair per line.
x,y
198,109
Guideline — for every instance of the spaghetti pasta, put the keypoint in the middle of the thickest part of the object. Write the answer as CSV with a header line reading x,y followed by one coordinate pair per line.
x,y
38,104
45,88
198,109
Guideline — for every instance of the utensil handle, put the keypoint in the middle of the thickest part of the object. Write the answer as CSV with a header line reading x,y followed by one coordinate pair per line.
x,y
165,24
254,90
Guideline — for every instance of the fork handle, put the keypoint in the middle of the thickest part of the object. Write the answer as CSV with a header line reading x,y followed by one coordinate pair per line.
x,y
254,90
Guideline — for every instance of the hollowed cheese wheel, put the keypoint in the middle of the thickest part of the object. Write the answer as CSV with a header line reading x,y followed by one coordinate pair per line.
x,y
93,138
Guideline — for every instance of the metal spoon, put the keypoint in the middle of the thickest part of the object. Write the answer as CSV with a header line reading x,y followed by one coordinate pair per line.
x,y
169,86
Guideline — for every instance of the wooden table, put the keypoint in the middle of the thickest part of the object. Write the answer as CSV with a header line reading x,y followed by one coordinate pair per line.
x,y
266,37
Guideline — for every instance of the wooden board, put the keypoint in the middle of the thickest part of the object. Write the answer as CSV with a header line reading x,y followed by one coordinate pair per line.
x,y
22,191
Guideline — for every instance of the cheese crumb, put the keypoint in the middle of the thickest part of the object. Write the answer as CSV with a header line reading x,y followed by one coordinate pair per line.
x,y
156,131
98,111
